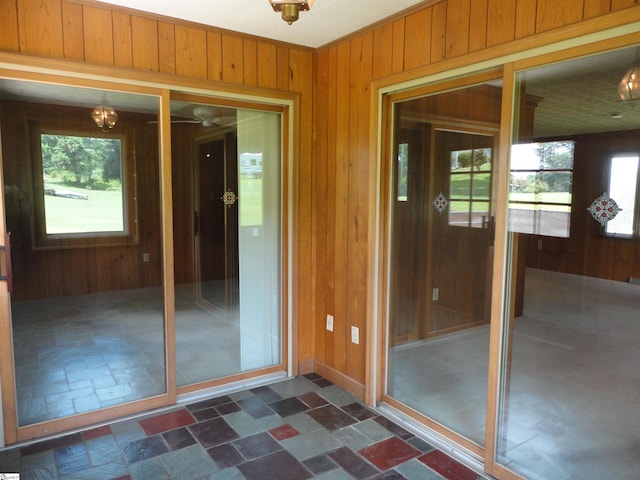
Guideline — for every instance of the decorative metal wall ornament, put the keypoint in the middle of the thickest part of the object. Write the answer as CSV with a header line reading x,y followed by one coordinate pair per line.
x,y
440,202
604,209
229,198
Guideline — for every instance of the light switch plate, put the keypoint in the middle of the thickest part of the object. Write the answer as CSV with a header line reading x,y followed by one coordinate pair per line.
x,y
330,322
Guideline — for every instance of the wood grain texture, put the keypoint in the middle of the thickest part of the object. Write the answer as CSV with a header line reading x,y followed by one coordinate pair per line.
x,y
500,21
39,27
144,35
72,31
122,42
190,61
232,59
9,40
417,50
98,35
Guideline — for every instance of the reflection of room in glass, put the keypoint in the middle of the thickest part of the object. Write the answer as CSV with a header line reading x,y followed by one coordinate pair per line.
x,y
540,188
623,188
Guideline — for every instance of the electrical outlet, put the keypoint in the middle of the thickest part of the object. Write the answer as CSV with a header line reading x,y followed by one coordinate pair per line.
x,y
435,294
330,322
145,257
355,335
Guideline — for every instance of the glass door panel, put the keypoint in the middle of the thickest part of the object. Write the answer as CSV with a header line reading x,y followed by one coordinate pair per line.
x,y
570,382
83,208
440,256
227,165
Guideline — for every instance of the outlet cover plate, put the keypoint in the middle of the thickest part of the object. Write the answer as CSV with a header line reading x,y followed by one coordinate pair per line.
x,y
355,335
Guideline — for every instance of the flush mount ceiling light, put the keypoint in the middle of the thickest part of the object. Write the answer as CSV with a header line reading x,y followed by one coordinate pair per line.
x,y
104,116
291,8
629,86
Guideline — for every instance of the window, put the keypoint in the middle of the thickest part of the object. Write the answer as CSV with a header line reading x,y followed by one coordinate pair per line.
x,y
468,158
403,172
82,190
623,188
540,191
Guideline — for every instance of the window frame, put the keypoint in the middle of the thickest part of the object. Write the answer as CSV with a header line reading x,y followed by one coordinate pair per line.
x,y
635,228
41,240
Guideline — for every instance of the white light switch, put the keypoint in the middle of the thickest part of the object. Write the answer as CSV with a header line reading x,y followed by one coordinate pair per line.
x,y
145,257
330,322
355,335
435,294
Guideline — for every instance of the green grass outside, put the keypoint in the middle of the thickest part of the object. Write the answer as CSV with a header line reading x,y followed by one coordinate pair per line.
x,y
102,212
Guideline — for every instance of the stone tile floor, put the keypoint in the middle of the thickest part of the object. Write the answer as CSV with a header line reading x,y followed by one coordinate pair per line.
x,y
292,430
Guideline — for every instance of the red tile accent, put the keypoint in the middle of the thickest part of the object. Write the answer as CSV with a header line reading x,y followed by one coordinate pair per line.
x,y
96,432
167,421
313,399
447,466
283,432
389,453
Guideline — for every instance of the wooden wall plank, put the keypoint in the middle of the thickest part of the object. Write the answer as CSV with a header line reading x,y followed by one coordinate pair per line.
x,y
166,48
358,212
40,27
439,28
417,49
9,40
397,60
190,61
72,31
214,56
340,179
383,46
250,62
458,16
501,16
301,65
525,21
319,207
98,35
267,65
478,25
622,4
595,8
232,60
283,71
144,35
550,15
330,233
122,41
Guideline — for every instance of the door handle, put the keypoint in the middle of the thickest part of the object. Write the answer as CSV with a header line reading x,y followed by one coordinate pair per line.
x,y
5,266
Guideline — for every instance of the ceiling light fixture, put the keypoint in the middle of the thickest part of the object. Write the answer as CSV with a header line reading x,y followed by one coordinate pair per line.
x,y
104,116
291,8
629,86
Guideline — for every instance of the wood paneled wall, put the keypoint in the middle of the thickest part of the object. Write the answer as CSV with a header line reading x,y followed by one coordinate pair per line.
x,y
333,188
347,70
588,251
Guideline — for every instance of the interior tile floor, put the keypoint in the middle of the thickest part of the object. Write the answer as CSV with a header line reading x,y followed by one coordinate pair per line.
x,y
572,394
81,353
295,429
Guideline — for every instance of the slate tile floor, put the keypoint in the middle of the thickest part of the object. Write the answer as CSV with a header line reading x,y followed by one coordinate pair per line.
x,y
292,430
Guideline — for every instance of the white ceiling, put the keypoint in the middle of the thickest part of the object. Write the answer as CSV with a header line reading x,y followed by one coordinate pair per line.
x,y
327,20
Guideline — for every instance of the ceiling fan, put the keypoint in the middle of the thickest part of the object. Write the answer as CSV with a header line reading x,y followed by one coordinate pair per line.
x,y
207,116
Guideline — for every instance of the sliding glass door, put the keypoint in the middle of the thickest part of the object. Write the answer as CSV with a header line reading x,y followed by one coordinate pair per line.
x,y
83,210
570,384
96,325
228,260
556,342
441,252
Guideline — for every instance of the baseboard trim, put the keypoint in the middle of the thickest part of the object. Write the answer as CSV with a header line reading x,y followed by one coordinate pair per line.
x,y
340,379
